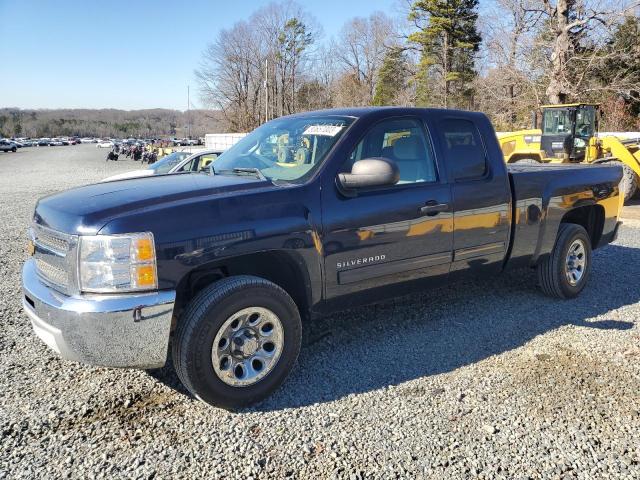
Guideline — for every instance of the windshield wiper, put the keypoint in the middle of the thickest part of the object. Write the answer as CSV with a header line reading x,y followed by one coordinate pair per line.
x,y
247,170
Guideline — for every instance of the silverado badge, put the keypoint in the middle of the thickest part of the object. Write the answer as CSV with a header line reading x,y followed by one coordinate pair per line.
x,y
356,262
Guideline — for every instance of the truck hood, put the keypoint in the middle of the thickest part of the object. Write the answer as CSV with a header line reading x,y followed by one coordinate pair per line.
x,y
85,210
132,174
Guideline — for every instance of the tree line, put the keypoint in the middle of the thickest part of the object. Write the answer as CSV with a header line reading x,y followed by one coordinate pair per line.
x,y
147,123
506,59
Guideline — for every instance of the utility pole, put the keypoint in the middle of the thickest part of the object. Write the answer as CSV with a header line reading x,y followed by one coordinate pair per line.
x,y
188,114
266,90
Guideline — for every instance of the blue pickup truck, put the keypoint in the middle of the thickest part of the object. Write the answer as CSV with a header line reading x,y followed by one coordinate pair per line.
x,y
308,214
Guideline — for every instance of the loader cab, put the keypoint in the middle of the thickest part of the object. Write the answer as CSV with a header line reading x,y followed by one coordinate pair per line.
x,y
567,130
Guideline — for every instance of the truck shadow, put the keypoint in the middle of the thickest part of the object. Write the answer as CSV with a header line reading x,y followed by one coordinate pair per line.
x,y
369,348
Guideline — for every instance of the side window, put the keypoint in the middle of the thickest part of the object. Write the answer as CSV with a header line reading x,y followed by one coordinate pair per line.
x,y
187,167
403,141
464,149
203,161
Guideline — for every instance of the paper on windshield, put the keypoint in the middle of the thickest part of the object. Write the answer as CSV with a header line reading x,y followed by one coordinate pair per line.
x,y
326,130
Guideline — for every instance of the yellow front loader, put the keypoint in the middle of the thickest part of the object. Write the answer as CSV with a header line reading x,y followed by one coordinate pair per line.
x,y
569,134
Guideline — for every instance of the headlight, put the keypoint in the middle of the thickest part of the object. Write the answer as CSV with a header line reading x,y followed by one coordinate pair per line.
x,y
118,263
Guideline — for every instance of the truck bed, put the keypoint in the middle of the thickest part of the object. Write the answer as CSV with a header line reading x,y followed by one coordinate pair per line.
x,y
541,195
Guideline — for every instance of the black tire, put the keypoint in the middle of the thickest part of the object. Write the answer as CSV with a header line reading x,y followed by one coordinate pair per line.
x,y
14,149
204,317
527,161
630,180
552,275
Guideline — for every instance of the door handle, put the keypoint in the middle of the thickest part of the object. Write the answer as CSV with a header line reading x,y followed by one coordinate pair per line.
x,y
432,208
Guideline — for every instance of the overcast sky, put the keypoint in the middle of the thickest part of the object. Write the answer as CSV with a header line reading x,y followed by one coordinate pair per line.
x,y
125,54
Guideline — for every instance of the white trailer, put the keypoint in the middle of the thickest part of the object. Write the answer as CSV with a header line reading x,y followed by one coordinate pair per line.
x,y
221,141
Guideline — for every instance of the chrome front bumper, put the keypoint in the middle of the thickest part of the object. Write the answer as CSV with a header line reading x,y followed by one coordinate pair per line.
x,y
125,330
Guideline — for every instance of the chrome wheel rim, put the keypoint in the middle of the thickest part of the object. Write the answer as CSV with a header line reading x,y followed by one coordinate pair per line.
x,y
576,262
247,346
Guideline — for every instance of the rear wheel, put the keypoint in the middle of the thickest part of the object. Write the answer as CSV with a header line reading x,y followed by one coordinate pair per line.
x,y
14,149
237,341
565,271
630,180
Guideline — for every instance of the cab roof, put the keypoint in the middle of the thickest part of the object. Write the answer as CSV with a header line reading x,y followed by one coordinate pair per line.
x,y
378,112
565,105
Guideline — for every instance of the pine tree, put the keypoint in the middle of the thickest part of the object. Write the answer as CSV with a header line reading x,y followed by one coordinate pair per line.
x,y
448,41
392,77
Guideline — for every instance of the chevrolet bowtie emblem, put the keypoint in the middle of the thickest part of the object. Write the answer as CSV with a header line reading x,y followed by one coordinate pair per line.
x,y
31,248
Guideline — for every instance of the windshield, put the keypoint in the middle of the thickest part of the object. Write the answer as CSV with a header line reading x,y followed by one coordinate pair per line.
x,y
286,149
165,164
586,121
556,121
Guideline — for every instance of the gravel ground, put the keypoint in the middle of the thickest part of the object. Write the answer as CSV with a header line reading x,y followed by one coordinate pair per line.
x,y
486,380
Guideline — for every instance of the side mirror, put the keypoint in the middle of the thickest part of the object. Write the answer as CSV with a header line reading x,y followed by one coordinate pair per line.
x,y
370,172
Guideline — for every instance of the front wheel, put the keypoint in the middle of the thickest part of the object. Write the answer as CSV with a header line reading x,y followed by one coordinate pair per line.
x,y
14,149
565,271
237,341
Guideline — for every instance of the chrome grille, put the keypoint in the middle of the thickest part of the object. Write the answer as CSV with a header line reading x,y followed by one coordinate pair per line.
x,y
55,257
52,273
56,244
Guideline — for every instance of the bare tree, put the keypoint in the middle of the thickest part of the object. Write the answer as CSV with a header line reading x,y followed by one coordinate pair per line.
x,y
577,30
229,76
512,80
253,71
315,92
286,36
360,49
542,52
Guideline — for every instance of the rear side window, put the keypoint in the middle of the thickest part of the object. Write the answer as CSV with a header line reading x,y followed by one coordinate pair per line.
x,y
464,149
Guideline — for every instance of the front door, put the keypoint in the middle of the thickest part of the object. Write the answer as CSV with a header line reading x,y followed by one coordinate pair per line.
x,y
389,235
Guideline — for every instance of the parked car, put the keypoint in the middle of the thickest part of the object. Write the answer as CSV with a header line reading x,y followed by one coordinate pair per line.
x,y
176,162
307,215
44,142
55,142
104,144
8,146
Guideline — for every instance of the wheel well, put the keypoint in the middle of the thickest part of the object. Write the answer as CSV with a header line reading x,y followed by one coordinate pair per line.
x,y
282,268
591,217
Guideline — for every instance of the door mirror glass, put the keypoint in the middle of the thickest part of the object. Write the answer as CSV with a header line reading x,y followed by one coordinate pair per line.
x,y
370,172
